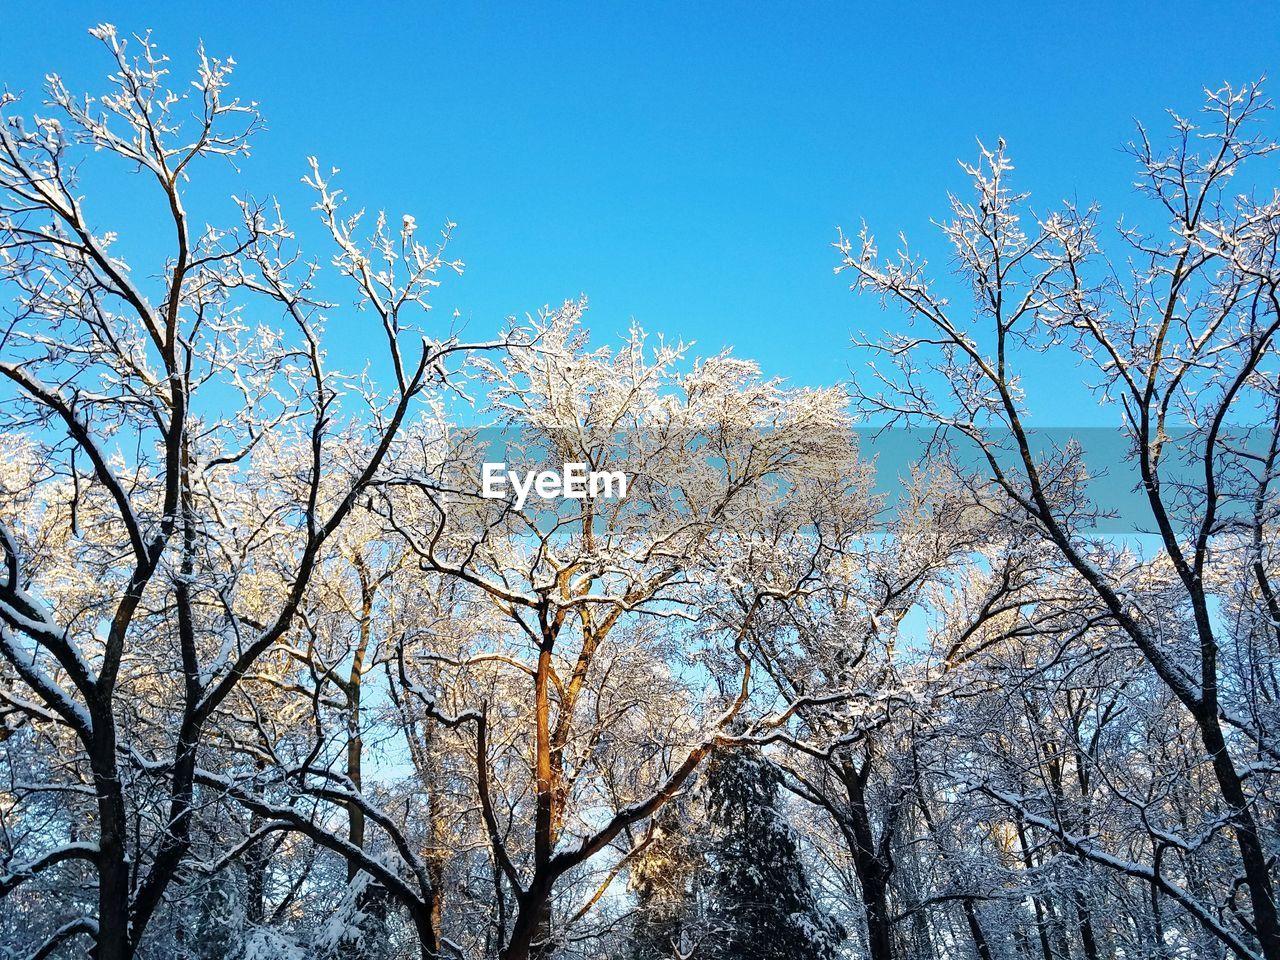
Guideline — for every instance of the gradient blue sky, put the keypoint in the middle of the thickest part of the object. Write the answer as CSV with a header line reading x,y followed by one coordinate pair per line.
x,y
685,165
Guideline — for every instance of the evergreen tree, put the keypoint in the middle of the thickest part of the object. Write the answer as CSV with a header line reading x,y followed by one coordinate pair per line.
x,y
219,925
758,902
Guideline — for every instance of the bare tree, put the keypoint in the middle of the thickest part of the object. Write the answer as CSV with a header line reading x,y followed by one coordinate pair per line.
x,y
590,598
280,677
1182,344
146,404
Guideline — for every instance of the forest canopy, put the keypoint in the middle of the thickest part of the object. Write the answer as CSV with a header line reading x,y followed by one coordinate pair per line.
x,y
278,679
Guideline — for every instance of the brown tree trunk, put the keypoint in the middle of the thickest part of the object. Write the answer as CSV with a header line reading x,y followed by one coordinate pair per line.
x,y
355,815
531,933
355,744
425,924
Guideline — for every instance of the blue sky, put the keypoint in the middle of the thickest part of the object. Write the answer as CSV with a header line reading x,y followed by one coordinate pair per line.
x,y
684,165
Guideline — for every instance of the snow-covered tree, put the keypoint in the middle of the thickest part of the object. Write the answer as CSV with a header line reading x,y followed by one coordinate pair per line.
x,y
185,457
1178,332
280,681
759,903
597,617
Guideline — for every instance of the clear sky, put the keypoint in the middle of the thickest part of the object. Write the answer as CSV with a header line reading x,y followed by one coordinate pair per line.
x,y
684,165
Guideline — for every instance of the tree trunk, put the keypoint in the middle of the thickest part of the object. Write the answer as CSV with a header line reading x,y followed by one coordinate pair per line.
x,y
530,934
879,925
424,922
1037,903
980,945
255,869
355,743
113,862
871,862
1088,940
355,814
1257,875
